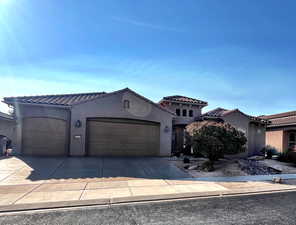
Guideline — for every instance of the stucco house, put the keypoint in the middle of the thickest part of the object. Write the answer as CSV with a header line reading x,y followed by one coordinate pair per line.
x,y
120,123
253,127
281,131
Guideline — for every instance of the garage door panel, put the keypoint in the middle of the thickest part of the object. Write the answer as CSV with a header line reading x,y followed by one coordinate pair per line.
x,y
123,137
44,136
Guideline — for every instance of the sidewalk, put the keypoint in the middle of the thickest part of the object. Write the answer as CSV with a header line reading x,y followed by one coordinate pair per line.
x,y
66,194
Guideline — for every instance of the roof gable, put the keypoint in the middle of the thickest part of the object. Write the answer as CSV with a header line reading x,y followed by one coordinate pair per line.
x,y
72,99
221,112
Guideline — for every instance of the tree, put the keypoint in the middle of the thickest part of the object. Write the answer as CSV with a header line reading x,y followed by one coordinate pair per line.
x,y
215,139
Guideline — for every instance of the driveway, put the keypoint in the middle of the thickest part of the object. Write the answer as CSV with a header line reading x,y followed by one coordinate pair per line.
x,y
31,170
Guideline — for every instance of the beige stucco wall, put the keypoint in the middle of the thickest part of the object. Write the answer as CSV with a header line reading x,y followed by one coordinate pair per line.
x,y
241,123
255,133
29,111
112,106
256,138
274,138
181,119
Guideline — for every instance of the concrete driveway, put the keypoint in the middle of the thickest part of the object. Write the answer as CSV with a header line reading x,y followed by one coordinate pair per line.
x,y
31,170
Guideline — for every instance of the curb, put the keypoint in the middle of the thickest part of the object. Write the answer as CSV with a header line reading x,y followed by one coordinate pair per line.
x,y
140,199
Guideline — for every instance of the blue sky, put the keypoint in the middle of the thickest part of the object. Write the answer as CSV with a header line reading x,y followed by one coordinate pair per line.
x,y
232,53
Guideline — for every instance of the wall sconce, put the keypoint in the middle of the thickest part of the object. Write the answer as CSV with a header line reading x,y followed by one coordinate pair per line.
x,y
78,124
166,129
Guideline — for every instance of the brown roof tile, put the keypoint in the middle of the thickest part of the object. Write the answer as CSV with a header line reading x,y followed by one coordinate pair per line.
x,y
283,121
183,99
279,115
62,100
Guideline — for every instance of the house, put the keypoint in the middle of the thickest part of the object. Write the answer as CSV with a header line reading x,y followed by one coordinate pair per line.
x,y
253,127
120,123
7,129
281,131
187,110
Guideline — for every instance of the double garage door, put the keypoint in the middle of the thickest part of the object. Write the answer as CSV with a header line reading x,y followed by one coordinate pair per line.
x,y
44,137
122,137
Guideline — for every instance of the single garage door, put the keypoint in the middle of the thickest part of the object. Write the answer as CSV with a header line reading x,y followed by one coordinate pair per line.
x,y
44,136
122,137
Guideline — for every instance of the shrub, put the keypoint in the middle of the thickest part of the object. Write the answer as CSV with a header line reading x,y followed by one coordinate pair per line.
x,y
207,166
186,160
269,151
214,139
291,156
283,157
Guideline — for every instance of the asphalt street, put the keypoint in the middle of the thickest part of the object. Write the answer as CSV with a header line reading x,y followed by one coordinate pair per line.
x,y
273,208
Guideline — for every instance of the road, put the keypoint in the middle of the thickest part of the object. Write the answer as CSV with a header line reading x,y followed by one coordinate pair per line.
x,y
274,208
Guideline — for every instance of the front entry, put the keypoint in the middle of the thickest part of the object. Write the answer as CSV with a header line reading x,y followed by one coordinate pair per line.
x,y
122,137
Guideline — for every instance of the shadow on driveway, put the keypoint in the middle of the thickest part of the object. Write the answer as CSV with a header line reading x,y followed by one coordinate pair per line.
x,y
57,168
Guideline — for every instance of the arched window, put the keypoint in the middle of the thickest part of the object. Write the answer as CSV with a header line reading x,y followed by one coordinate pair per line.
x,y
178,112
126,104
190,113
184,112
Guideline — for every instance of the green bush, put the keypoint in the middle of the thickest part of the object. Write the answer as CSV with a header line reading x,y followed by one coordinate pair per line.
x,y
213,140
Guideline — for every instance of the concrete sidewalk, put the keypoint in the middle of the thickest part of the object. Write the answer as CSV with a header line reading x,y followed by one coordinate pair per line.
x,y
66,194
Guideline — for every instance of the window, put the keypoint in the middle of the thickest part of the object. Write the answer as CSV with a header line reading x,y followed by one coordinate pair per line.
x,y
191,113
292,140
126,104
178,112
184,113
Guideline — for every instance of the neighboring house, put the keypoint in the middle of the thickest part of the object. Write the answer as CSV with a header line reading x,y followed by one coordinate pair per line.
x,y
187,110
121,123
281,131
253,127
7,130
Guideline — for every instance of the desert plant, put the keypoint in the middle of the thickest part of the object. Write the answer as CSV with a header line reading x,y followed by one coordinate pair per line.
x,y
207,166
269,151
214,139
283,157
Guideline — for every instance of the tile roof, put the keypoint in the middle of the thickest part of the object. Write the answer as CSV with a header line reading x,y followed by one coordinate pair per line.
x,y
281,119
279,115
284,121
184,99
61,100
220,112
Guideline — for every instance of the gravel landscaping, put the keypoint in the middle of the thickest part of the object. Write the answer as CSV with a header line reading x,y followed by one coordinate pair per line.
x,y
234,167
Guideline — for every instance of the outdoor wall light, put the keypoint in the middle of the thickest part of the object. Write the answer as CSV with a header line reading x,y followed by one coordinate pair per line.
x,y
166,129
78,124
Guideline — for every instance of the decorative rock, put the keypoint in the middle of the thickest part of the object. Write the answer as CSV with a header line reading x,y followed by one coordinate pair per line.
x,y
186,160
277,180
193,167
256,157
186,167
